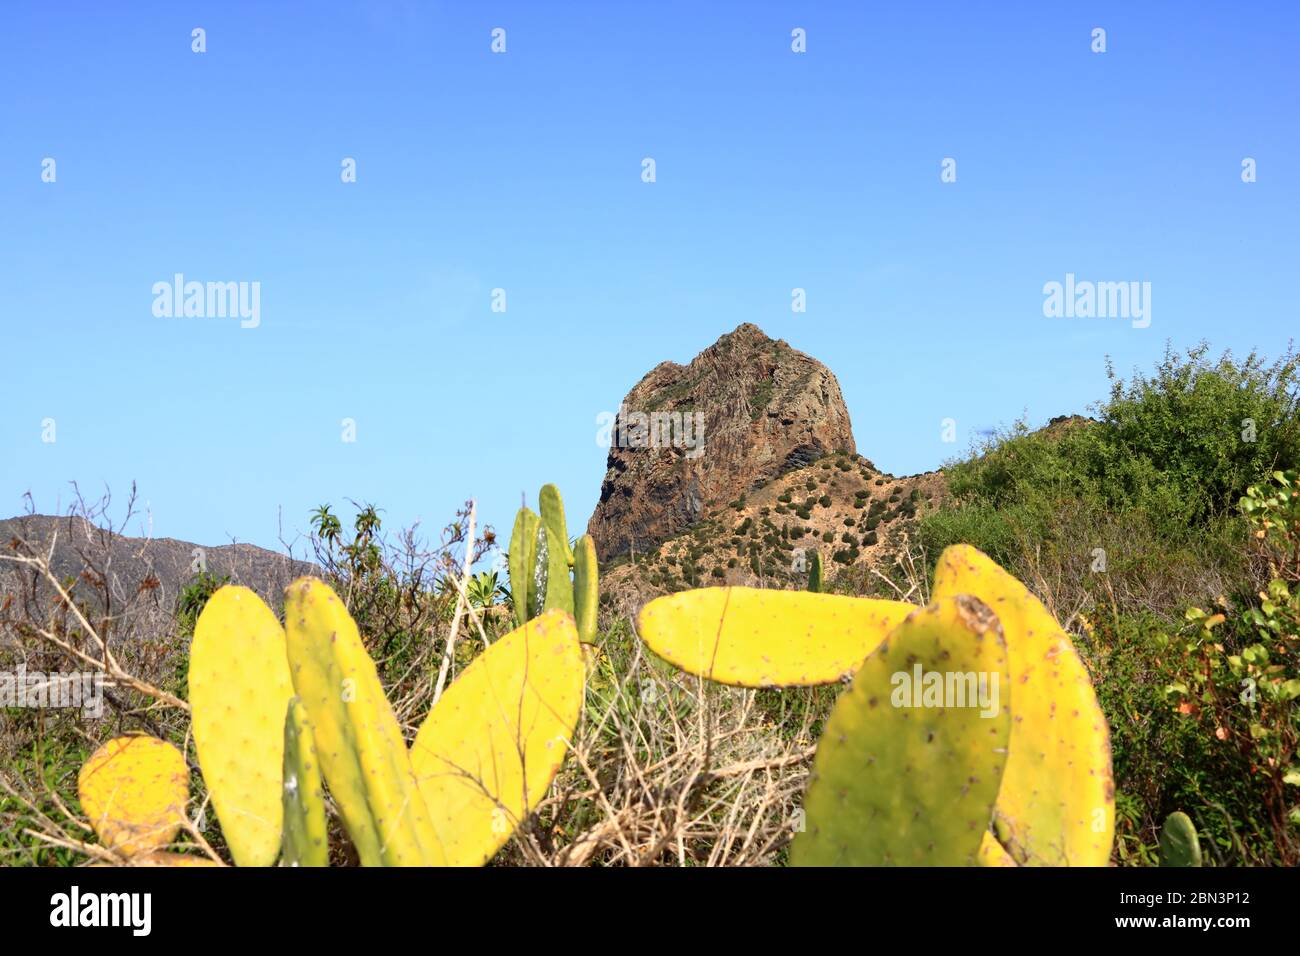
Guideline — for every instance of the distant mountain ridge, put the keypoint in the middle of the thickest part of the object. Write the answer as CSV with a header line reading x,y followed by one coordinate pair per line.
x,y
146,574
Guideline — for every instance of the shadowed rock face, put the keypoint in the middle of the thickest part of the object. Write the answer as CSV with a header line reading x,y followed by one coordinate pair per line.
x,y
691,438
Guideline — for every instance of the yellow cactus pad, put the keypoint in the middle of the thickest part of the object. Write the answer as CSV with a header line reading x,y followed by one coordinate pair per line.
x,y
359,743
239,689
1056,806
133,791
491,746
756,638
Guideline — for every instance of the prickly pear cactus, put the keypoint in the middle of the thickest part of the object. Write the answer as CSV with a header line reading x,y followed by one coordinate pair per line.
x,y
239,687
904,776
1057,802
1179,844
306,839
551,506
523,559
749,637
490,747
540,562
586,588
555,589
133,790
362,754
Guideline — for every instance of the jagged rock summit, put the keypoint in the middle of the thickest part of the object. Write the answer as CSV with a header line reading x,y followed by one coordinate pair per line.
x,y
688,439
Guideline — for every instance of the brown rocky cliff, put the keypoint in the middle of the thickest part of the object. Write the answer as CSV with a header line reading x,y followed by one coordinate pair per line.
x,y
766,409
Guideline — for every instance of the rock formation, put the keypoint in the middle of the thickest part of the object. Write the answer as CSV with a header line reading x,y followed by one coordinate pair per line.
x,y
689,439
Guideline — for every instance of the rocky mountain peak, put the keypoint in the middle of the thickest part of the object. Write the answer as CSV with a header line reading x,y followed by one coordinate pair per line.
x,y
690,438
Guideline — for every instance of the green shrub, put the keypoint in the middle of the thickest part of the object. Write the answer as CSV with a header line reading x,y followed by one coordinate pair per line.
x,y
1124,522
1178,447
1238,678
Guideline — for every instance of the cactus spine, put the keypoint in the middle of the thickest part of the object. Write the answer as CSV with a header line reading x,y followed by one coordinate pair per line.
x,y
306,840
362,754
1179,844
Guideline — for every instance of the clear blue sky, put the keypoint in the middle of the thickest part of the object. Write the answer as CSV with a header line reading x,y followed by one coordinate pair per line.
x,y
522,171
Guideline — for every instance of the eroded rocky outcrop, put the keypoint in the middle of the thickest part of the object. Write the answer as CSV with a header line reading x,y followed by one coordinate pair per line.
x,y
688,439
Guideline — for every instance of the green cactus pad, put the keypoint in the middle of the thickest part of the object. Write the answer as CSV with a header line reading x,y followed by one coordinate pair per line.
x,y
586,588
523,557
554,587
1179,844
911,780
363,756
306,840
551,506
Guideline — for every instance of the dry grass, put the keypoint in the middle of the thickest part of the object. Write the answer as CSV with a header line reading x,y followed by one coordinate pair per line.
x,y
663,769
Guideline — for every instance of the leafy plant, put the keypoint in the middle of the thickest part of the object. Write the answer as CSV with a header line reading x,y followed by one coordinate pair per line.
x,y
1240,679
484,588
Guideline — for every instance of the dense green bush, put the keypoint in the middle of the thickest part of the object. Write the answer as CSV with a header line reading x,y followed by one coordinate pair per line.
x,y
1176,448
1127,525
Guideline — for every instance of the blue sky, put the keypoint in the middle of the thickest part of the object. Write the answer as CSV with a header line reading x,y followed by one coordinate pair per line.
x,y
522,171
